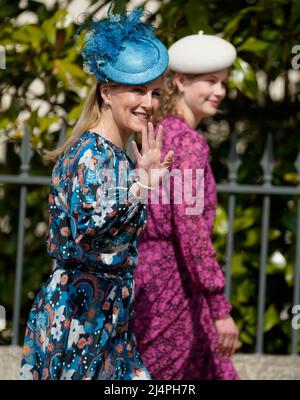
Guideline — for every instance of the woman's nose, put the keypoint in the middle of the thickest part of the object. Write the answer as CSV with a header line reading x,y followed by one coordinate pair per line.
x,y
219,89
147,100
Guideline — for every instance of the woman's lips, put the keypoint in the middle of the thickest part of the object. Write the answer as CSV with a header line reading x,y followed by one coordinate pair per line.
x,y
141,116
214,103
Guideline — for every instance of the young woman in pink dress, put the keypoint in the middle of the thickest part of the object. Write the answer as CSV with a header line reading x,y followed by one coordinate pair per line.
x,y
182,317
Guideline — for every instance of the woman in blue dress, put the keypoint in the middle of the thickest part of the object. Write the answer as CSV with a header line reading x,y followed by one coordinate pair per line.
x,y
80,324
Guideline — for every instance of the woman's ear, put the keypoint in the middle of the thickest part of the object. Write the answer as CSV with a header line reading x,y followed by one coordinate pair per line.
x,y
180,81
105,93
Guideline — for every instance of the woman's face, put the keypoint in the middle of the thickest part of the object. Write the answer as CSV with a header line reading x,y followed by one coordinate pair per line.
x,y
203,94
133,106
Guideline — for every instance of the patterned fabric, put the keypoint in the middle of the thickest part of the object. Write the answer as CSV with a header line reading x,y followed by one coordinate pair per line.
x,y
179,283
80,323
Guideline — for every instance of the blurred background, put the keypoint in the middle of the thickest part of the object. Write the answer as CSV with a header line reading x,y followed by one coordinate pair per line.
x,y
255,142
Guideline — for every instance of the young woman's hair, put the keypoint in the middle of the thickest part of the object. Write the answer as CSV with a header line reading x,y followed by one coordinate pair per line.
x,y
169,98
89,116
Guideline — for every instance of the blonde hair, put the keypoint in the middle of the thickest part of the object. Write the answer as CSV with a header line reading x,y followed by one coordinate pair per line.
x,y
169,98
89,116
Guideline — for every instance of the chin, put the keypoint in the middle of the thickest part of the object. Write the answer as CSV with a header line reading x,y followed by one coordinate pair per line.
x,y
137,126
210,111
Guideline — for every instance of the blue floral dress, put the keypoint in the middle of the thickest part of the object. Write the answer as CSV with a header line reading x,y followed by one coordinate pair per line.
x,y
80,324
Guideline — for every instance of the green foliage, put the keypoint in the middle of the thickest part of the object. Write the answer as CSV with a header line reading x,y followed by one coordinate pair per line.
x,y
243,78
245,266
264,33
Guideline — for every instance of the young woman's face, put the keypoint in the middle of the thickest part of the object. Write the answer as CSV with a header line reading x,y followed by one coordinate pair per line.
x,y
203,93
133,106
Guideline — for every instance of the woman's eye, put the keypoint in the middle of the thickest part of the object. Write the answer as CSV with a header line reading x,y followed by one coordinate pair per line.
x,y
156,94
138,90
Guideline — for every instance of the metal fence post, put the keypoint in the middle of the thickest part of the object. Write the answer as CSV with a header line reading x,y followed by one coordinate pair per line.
x,y
26,154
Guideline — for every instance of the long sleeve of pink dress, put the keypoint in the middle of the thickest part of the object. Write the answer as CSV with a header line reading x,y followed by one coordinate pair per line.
x,y
179,283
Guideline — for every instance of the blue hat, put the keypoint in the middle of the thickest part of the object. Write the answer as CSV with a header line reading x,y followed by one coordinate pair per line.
x,y
124,49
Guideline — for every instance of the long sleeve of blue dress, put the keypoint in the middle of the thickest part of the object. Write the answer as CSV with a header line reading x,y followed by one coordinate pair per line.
x,y
93,213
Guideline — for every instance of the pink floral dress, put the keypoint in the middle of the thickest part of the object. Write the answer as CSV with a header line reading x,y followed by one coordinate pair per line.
x,y
179,283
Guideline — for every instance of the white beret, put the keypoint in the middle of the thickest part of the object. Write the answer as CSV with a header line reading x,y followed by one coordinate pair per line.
x,y
200,54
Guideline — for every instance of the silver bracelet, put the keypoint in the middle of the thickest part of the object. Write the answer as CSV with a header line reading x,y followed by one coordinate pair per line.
x,y
144,186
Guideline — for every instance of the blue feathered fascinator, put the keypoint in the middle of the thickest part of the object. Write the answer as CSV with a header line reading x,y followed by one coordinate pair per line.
x,y
124,49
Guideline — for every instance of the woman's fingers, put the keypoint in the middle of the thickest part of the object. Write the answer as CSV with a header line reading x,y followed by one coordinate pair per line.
x,y
135,151
231,347
151,139
227,336
221,339
158,138
224,346
228,345
224,343
235,344
145,143
168,159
